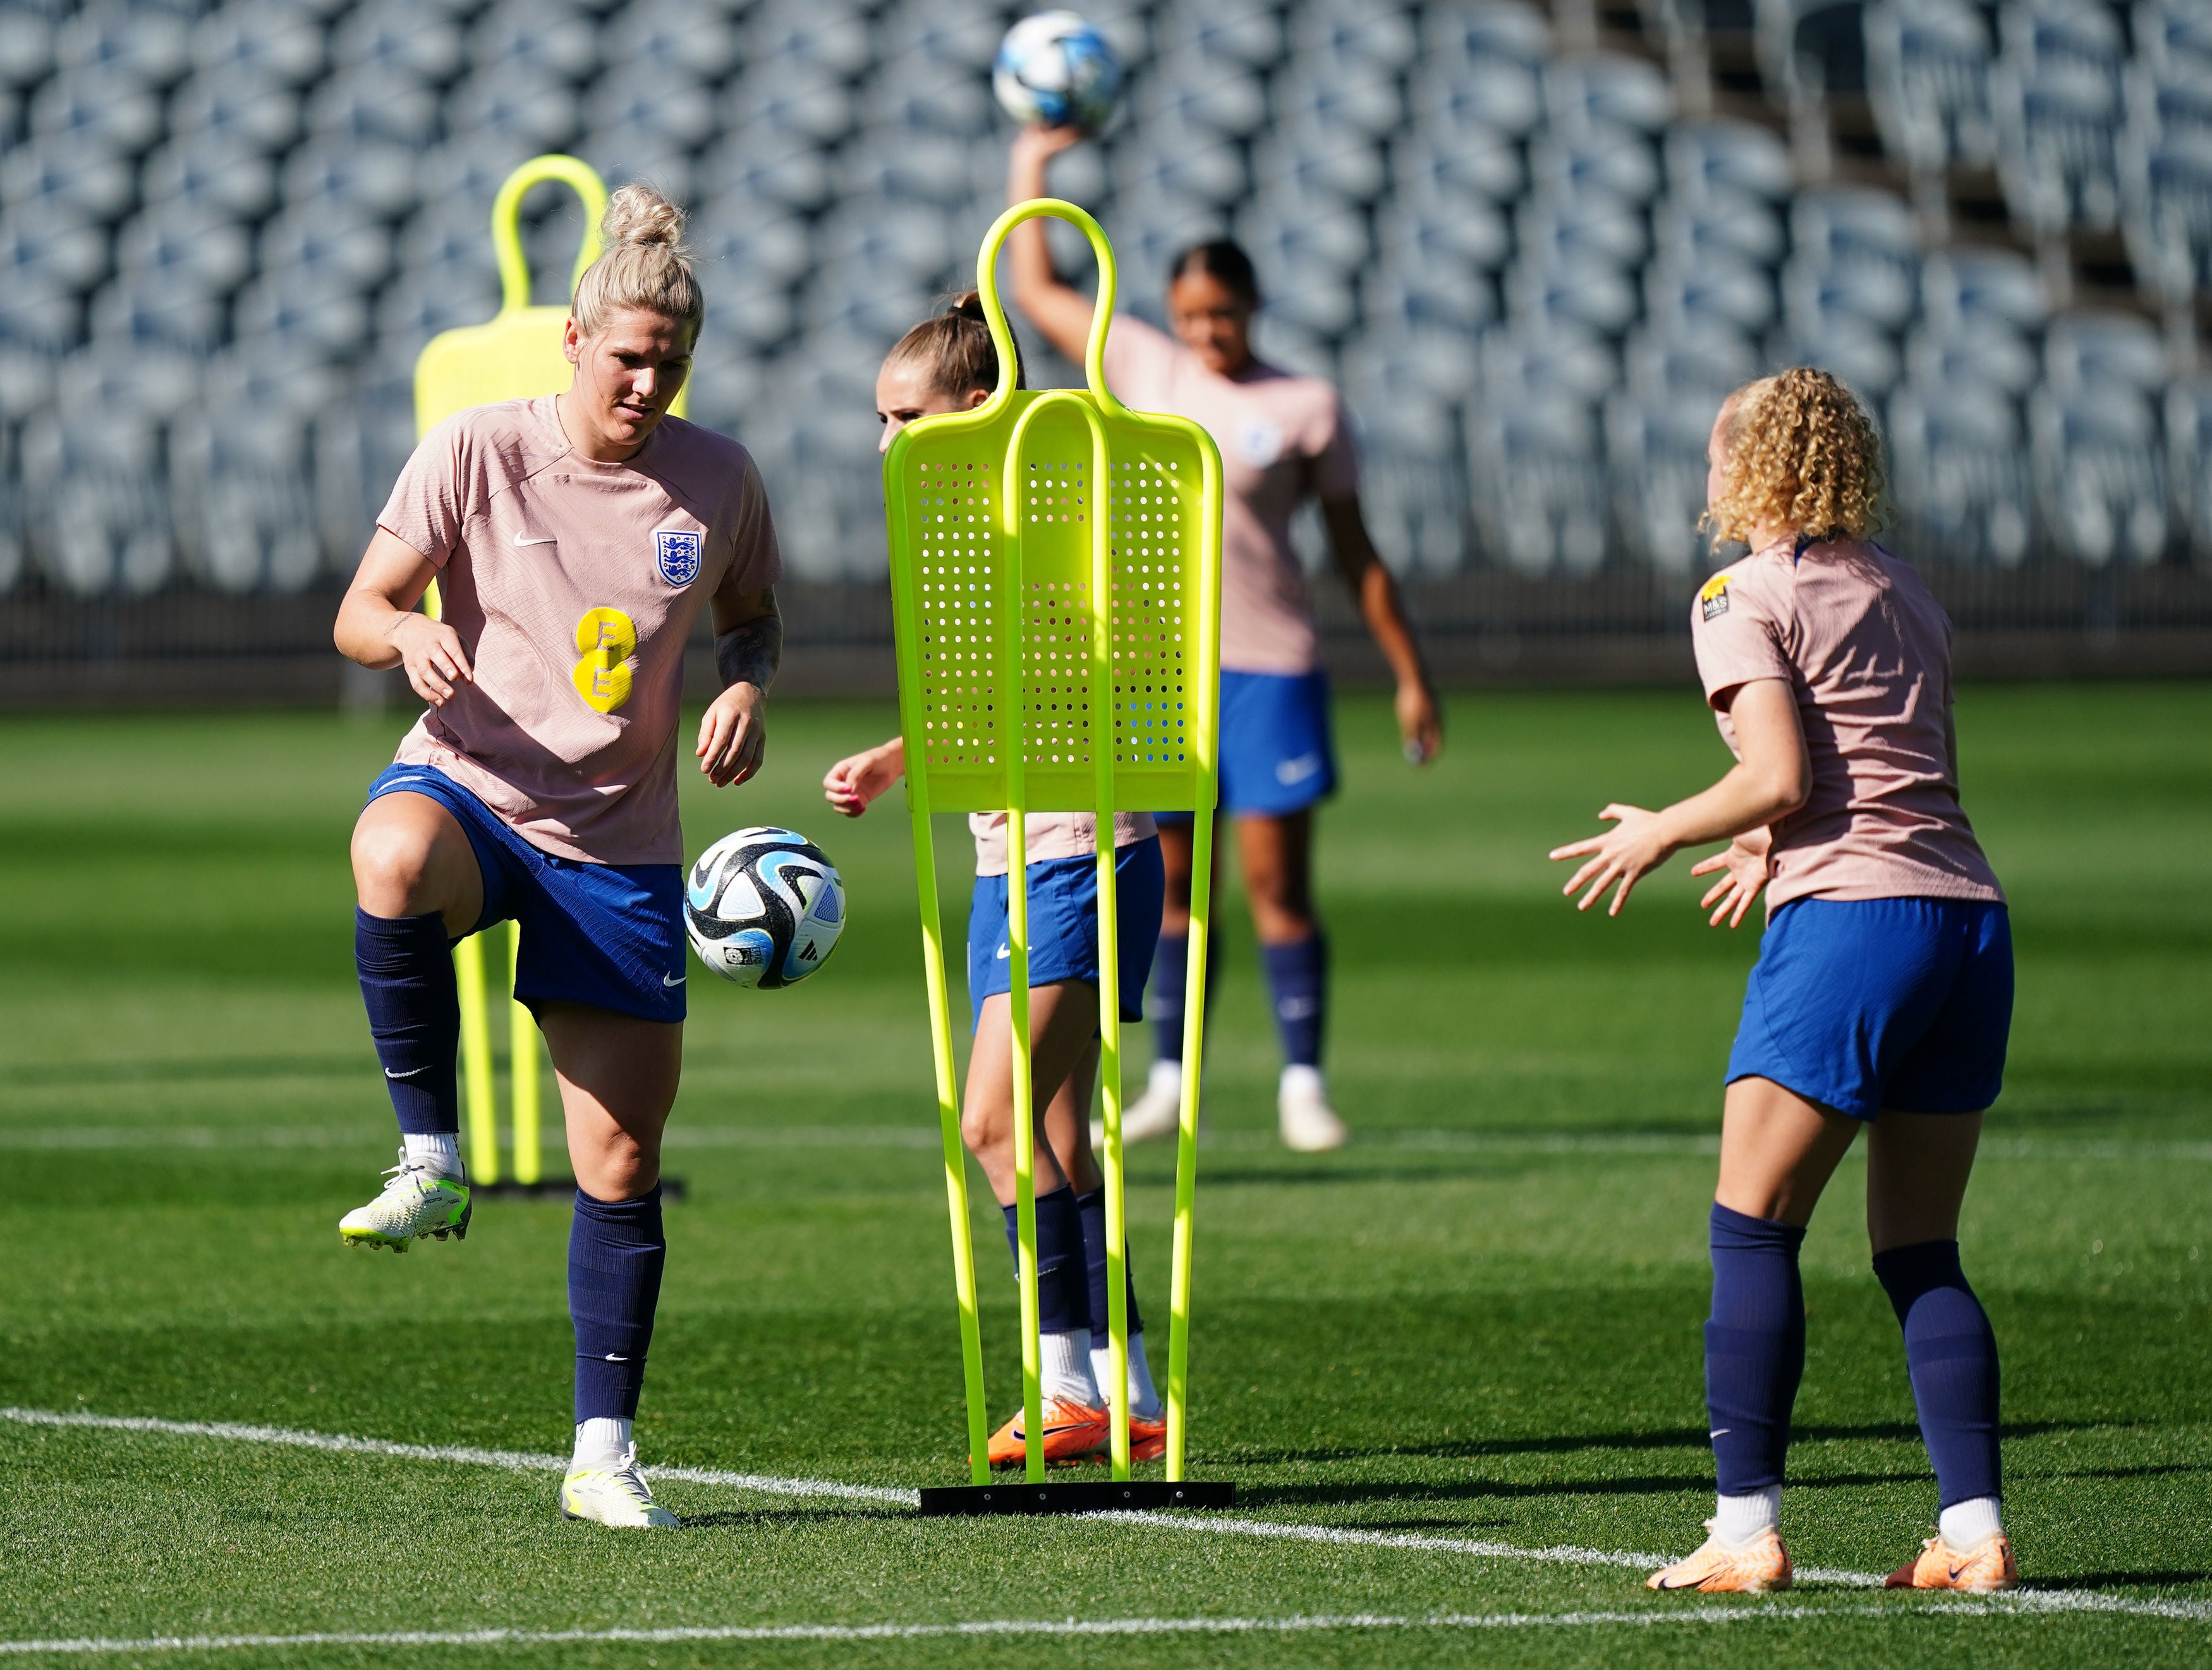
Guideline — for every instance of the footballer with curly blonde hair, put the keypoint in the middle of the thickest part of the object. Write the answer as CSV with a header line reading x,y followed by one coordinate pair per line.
x,y
1882,996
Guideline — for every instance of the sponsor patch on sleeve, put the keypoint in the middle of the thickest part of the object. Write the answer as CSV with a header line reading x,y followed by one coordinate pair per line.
x,y
1712,599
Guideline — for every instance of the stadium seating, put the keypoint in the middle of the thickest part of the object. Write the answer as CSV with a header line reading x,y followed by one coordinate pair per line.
x,y
1535,260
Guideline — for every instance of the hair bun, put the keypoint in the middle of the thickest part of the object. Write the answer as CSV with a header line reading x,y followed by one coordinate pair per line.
x,y
639,214
968,304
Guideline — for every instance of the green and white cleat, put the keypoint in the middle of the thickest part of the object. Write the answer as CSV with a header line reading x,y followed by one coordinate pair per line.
x,y
415,1202
617,1497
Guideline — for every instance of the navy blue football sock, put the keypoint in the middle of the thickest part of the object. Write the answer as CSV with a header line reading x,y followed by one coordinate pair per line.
x,y
1093,1208
1063,1291
406,967
1297,975
1164,996
615,1253
1952,1354
1754,1348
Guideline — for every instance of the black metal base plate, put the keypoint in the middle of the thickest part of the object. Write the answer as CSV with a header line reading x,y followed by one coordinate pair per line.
x,y
1088,1496
564,1188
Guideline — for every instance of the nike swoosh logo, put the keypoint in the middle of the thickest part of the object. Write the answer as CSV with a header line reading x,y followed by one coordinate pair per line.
x,y
1297,770
545,539
1004,954
409,1073
675,981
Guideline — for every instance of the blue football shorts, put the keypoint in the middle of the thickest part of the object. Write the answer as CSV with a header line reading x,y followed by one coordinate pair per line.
x,y
610,935
1278,754
1863,1004
1064,925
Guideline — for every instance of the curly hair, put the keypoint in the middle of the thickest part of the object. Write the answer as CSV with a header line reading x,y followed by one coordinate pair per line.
x,y
1798,452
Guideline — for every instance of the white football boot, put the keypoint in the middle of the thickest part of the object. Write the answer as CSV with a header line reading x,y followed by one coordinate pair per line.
x,y
1156,1115
1310,1124
415,1202
615,1496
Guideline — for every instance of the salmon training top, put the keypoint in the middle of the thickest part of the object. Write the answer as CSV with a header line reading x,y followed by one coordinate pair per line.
x,y
1051,835
1867,651
575,585
1284,439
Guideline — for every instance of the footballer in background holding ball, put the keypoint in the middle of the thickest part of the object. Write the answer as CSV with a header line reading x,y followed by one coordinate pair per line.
x,y
576,538
1284,439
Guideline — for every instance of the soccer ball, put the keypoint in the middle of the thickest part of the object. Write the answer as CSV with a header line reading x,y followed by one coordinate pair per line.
x,y
1056,69
763,907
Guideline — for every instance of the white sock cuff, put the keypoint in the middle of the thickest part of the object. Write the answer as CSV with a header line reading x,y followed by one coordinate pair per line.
x,y
1302,1080
1740,1519
1066,1368
440,1151
1965,1526
1166,1076
602,1443
1143,1400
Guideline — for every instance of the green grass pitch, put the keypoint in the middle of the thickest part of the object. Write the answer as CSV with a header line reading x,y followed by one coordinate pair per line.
x,y
1476,1329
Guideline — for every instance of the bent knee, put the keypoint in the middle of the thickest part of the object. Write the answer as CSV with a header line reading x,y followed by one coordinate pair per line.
x,y
391,867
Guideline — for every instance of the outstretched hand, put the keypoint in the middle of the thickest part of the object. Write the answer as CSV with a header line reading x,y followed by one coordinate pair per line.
x,y
1037,144
857,779
1731,895
1625,855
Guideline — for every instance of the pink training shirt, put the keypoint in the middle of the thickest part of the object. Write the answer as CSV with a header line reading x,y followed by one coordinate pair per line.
x,y
575,585
1284,439
1867,651
1051,835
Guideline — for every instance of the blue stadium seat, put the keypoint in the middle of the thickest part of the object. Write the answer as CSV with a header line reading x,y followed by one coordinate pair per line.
x,y
1973,353
829,37
2188,438
104,111
2167,216
1617,162
149,45
415,37
541,41
251,111
1608,90
1966,286
675,41
372,178
1927,78
1961,469
218,175
1738,159
530,109
378,102
2099,462
261,41
1656,448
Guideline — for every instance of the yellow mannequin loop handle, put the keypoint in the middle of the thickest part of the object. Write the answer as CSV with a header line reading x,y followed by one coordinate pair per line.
x,y
1102,313
506,222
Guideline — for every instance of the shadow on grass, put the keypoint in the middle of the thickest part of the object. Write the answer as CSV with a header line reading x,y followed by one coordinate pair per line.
x,y
2101,1580
1569,1443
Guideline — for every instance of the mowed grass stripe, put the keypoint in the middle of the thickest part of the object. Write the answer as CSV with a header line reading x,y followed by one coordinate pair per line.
x,y
917,1137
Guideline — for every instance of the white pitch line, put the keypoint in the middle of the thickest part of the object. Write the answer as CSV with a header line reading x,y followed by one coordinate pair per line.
x,y
1749,1613
767,1483
514,1460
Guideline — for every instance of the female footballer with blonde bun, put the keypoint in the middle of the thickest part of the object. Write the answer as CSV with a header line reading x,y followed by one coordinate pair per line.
x,y
576,538
1284,440
1882,996
948,364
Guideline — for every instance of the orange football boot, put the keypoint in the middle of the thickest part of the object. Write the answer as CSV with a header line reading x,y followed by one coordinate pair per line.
x,y
1760,1567
1072,1432
1986,1570
1148,1439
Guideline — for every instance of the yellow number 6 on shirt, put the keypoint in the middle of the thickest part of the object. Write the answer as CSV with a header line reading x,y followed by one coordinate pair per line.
x,y
608,638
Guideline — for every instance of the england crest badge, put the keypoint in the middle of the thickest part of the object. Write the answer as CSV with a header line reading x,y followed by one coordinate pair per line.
x,y
677,553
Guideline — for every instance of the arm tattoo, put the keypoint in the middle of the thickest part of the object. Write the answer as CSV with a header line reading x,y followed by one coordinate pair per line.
x,y
749,654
